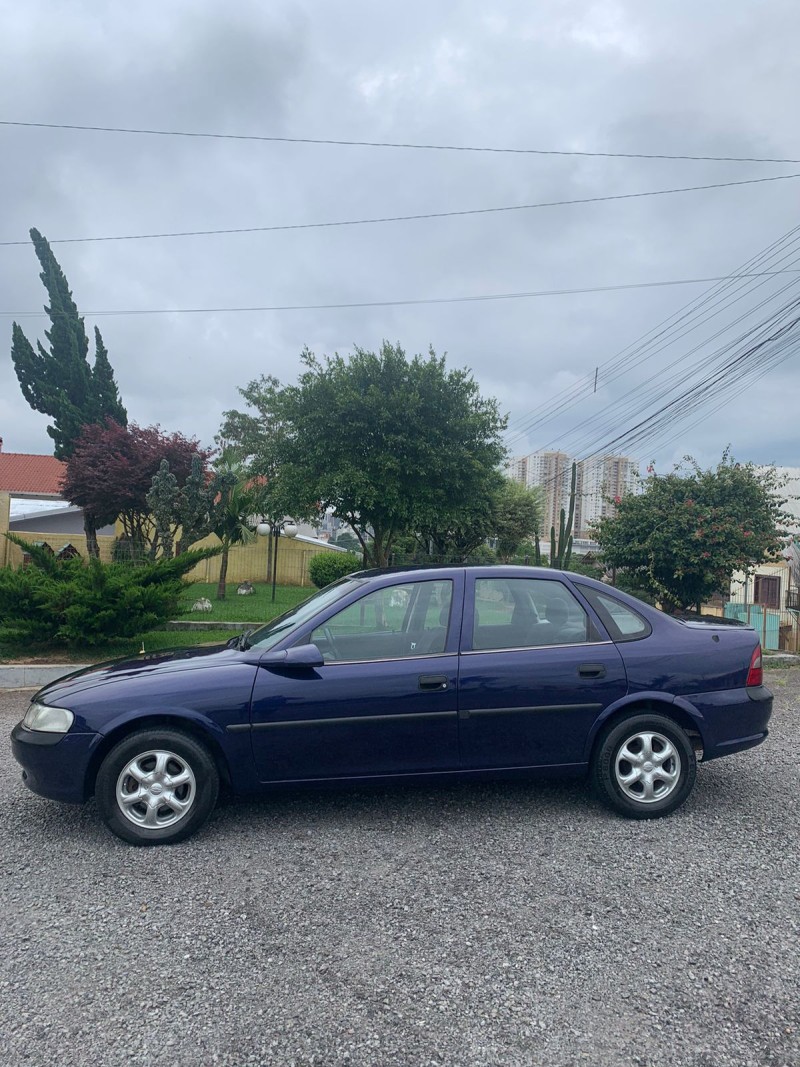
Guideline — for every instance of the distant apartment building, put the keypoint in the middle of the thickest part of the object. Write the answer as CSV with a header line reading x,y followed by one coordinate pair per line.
x,y
599,480
518,469
552,471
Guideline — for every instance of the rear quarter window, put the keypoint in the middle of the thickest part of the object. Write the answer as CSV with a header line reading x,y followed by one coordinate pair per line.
x,y
621,621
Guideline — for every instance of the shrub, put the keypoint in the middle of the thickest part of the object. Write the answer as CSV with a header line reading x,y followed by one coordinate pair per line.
x,y
326,567
75,602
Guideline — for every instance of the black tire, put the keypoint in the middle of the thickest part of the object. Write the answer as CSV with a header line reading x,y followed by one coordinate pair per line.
x,y
644,788
156,759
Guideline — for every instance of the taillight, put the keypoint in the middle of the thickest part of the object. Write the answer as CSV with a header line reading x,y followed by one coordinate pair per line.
x,y
755,676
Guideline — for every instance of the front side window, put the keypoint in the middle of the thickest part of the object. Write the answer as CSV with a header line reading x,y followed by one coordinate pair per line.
x,y
394,622
527,613
284,625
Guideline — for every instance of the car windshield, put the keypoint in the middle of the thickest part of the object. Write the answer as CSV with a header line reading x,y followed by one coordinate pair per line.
x,y
268,635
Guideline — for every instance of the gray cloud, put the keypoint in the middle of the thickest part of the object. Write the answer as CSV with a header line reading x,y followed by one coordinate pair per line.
x,y
706,79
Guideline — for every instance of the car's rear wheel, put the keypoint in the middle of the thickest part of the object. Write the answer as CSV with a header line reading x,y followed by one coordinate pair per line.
x,y
644,766
156,787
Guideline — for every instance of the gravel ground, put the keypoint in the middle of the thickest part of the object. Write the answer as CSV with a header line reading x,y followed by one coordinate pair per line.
x,y
490,924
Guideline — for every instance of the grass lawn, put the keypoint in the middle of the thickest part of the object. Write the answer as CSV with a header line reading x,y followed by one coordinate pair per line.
x,y
257,607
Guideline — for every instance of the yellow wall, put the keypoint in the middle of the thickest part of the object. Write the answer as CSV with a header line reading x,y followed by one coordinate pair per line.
x,y
57,541
11,555
245,562
249,562
5,509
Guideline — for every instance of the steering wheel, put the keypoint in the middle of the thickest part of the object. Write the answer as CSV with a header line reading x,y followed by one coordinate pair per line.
x,y
326,633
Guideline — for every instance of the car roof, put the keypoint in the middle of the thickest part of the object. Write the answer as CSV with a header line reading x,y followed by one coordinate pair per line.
x,y
431,571
495,570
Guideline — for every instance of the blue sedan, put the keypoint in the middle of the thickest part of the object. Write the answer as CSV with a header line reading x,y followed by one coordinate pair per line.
x,y
405,675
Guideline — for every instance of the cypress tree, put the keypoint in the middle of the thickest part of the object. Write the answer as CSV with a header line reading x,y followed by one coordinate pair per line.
x,y
59,381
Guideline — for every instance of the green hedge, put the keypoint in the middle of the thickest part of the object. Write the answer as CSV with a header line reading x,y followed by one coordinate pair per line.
x,y
79,602
327,567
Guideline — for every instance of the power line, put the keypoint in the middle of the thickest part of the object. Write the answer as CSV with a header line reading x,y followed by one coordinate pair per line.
x,y
681,318
544,412
743,364
394,144
404,303
735,365
647,393
686,320
414,218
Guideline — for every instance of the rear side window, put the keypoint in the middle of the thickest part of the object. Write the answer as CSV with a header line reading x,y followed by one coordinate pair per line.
x,y
622,622
527,613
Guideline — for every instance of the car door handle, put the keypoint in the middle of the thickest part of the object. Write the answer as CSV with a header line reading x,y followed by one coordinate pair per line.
x,y
433,681
592,670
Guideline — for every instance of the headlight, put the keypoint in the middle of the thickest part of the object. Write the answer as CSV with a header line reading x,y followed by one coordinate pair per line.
x,y
47,719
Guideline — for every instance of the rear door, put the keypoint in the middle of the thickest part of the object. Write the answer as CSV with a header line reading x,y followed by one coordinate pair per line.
x,y
535,672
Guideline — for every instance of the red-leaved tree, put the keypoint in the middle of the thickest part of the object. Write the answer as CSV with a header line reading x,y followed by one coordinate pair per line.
x,y
111,471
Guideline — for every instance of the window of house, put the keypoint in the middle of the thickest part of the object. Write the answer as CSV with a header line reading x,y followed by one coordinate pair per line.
x,y
767,590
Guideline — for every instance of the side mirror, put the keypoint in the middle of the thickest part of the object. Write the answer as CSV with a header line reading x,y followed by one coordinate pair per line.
x,y
301,656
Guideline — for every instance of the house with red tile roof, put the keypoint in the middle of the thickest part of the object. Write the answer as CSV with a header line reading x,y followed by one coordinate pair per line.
x,y
30,476
27,477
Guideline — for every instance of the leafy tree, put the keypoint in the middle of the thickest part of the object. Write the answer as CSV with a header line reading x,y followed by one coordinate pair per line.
x,y
455,533
258,442
72,602
517,514
392,444
348,541
688,531
111,471
588,565
59,381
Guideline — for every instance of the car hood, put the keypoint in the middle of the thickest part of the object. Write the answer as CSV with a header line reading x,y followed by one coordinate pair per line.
x,y
148,663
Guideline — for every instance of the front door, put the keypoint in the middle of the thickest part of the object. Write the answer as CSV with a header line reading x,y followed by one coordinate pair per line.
x,y
535,673
383,703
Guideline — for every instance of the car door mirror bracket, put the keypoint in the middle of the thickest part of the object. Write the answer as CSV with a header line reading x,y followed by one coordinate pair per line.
x,y
298,657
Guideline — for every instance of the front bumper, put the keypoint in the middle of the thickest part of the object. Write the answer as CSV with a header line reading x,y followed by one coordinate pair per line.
x,y
54,765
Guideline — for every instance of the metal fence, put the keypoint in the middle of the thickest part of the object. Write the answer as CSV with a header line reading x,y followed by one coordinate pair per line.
x,y
779,629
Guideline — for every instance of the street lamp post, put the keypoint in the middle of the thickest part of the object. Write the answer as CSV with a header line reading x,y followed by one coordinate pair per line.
x,y
274,528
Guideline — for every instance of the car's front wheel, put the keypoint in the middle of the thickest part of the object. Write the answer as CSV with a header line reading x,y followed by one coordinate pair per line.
x,y
156,787
644,766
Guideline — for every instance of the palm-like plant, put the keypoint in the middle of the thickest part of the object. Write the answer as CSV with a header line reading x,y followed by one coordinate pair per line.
x,y
236,501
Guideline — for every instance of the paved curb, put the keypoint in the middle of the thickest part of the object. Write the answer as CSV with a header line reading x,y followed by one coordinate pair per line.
x,y
33,675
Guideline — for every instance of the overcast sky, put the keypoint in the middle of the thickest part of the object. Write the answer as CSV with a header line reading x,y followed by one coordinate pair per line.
x,y
672,76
